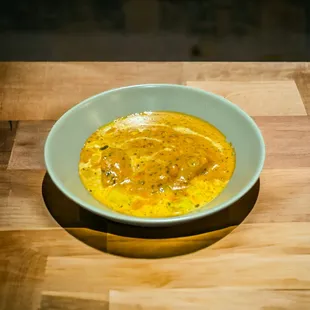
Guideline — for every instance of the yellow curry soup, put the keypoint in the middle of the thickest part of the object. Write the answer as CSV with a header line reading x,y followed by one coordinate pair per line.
x,y
156,164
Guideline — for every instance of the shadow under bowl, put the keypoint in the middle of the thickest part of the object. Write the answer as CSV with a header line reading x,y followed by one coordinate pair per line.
x,y
144,242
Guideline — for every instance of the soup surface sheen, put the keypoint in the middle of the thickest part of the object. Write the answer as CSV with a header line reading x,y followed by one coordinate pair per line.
x,y
156,164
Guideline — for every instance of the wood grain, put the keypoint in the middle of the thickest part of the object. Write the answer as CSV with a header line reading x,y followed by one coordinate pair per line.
x,y
284,196
27,152
264,98
22,205
46,241
199,270
283,136
209,298
287,141
7,135
24,274
242,71
59,301
36,91
302,81
79,261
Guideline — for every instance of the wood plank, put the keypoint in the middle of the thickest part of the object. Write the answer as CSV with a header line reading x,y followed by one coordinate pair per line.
x,y
60,301
45,90
22,204
50,242
283,136
284,197
7,136
62,85
22,276
27,152
262,98
260,238
302,81
287,141
242,71
208,298
261,270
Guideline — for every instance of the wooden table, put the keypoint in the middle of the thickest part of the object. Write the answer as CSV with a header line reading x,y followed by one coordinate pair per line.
x,y
55,255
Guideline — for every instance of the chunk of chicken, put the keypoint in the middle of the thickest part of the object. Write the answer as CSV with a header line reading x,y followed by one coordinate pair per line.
x,y
115,166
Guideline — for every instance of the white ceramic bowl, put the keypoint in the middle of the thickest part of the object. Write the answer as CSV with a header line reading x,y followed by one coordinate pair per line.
x,y
65,140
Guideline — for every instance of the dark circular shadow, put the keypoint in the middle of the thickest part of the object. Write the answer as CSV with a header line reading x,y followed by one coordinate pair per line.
x,y
142,242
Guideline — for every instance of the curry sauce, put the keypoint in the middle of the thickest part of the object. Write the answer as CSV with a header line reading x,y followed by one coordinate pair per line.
x,y
156,164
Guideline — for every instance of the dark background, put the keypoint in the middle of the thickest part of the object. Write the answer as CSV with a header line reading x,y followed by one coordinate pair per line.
x,y
115,30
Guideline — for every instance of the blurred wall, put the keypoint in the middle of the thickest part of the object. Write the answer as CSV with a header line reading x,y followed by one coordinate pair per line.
x,y
155,30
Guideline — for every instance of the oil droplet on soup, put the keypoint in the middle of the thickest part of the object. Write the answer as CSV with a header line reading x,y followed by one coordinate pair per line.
x,y
156,164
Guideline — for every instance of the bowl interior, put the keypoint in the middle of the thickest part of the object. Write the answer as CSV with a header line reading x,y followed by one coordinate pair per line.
x,y
64,143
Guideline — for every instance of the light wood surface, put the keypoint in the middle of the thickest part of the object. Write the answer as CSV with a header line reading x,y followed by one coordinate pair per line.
x,y
37,91
55,255
255,97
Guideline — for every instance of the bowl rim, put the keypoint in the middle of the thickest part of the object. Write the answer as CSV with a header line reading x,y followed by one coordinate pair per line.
x,y
162,221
